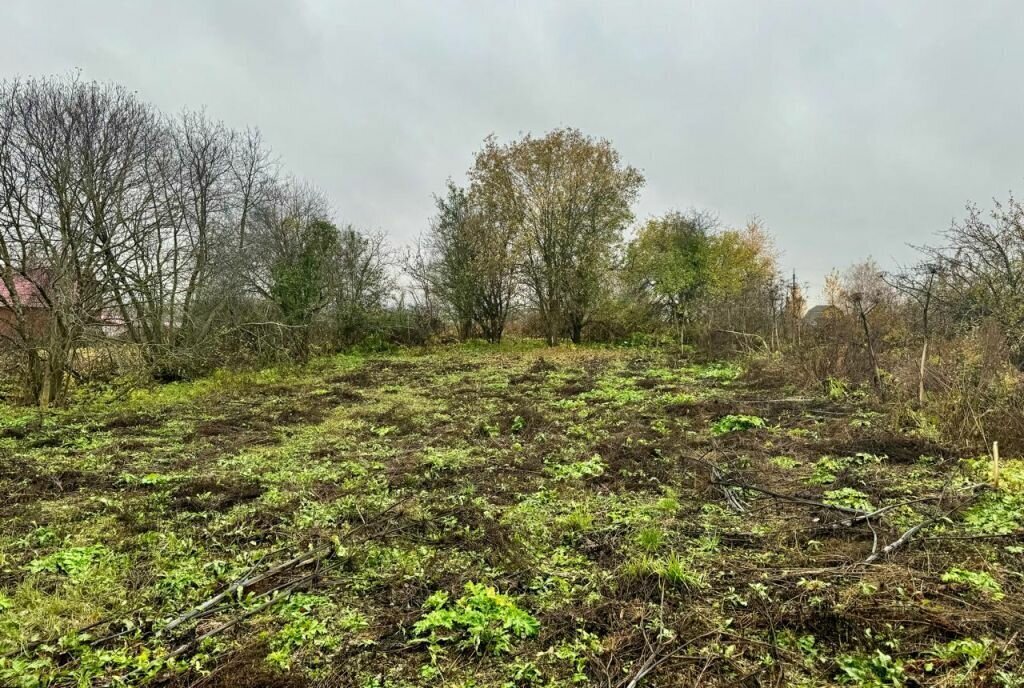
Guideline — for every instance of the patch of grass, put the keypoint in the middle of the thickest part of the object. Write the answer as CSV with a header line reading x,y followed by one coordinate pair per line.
x,y
720,372
73,562
785,462
577,470
827,468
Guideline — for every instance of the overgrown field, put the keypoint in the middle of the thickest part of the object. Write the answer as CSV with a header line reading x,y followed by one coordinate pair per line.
x,y
520,516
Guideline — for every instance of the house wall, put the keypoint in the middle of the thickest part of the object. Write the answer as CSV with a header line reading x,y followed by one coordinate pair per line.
x,y
37,321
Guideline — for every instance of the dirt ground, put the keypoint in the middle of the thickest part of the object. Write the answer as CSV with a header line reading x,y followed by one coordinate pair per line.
x,y
518,516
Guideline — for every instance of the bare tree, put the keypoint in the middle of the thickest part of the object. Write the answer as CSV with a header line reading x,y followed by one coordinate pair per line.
x,y
980,275
169,235
919,283
361,282
70,162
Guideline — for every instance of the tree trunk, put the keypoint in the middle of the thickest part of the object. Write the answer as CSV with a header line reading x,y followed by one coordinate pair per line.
x,y
576,331
875,375
920,379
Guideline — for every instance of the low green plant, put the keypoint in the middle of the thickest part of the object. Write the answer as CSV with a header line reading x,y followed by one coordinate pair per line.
x,y
482,619
307,630
805,645
73,562
668,505
576,653
577,470
578,520
827,468
615,392
734,423
650,539
968,652
980,582
785,462
878,670
674,570
836,389
677,572
996,514
718,372
850,498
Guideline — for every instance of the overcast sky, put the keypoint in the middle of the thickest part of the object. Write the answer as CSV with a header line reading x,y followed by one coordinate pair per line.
x,y
850,128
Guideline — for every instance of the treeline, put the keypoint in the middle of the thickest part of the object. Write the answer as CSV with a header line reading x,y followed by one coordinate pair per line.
x,y
941,341
174,234
166,246
177,245
540,231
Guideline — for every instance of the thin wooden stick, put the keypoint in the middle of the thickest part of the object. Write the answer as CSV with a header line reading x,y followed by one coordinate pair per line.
x,y
899,542
244,582
800,500
995,465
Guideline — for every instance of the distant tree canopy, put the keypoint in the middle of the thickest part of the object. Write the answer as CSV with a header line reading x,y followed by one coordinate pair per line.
x,y
542,219
693,272
182,238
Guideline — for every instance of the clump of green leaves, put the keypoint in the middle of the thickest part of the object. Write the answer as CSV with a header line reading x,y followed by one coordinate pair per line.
x,y
996,514
482,619
615,392
827,468
73,562
577,470
576,653
784,462
719,372
836,388
733,423
850,498
878,670
306,630
980,582
968,652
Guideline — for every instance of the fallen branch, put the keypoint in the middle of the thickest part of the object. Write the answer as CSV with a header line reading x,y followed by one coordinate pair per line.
x,y
909,534
301,560
899,542
798,500
724,486
235,621
654,661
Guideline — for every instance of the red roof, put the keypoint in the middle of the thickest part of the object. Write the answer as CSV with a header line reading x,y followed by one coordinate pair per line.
x,y
27,293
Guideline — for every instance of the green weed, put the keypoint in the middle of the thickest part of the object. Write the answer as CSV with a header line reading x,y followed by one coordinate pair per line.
x,y
482,620
734,423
